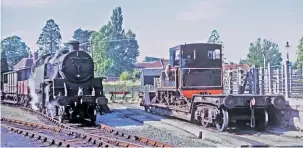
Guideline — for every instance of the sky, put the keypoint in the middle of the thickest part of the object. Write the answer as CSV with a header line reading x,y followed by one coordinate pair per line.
x,y
161,24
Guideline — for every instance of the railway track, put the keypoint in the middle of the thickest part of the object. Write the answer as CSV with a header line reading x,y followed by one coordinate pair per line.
x,y
100,134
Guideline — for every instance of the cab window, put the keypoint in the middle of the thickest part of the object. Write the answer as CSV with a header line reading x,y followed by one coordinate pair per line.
x,y
177,58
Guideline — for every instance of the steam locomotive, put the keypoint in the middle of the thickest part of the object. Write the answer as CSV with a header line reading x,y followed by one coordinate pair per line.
x,y
61,85
191,88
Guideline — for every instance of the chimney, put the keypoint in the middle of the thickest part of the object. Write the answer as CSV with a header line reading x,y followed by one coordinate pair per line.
x,y
35,56
73,45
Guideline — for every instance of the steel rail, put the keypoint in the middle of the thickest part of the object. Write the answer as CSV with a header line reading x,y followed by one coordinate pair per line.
x,y
39,136
100,140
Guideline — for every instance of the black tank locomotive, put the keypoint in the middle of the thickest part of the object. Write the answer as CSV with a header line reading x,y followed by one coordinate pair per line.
x,y
66,87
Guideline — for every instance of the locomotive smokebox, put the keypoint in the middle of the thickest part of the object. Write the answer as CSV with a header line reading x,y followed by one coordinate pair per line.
x,y
73,45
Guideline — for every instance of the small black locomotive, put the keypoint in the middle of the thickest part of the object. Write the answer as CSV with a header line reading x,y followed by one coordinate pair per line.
x,y
191,88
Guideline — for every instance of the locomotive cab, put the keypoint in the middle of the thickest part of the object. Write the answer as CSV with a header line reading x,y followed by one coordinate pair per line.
x,y
195,69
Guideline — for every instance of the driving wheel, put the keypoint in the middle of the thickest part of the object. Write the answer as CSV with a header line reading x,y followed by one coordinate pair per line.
x,y
204,116
222,120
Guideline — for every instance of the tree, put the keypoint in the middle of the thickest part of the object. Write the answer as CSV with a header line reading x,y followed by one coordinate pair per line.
x,y
300,54
116,49
243,61
83,36
214,38
4,64
261,48
101,47
13,50
50,39
150,59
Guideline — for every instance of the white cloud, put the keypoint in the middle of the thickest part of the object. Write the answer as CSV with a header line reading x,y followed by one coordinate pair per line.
x,y
207,10
28,3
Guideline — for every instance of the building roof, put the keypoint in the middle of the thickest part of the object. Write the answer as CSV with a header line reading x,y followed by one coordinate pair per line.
x,y
24,63
154,64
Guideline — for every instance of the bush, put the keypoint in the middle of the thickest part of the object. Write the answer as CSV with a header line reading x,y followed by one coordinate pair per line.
x,y
137,74
124,76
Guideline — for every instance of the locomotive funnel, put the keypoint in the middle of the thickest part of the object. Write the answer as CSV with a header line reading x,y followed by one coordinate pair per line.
x,y
73,45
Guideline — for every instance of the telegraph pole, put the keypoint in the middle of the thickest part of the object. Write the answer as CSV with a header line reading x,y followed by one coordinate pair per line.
x,y
286,73
287,47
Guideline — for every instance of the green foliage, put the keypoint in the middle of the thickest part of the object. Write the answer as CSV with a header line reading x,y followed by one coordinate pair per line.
x,y
137,73
124,76
263,47
100,43
214,38
4,64
150,59
114,50
300,54
50,39
243,61
13,50
83,37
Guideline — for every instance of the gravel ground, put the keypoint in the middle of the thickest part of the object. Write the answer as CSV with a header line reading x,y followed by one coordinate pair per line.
x,y
12,139
18,114
235,137
166,137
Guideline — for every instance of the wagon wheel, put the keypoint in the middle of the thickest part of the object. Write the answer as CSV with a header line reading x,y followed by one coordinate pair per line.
x,y
21,102
61,113
222,120
204,114
261,120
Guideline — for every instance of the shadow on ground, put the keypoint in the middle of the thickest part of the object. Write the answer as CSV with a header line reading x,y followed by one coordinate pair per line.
x,y
124,117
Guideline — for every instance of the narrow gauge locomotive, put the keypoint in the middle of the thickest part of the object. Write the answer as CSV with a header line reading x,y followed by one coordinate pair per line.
x,y
191,88
64,85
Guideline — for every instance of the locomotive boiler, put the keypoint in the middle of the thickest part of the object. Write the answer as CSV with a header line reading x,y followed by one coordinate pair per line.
x,y
66,87
191,88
